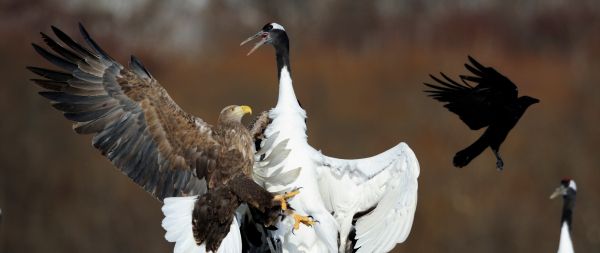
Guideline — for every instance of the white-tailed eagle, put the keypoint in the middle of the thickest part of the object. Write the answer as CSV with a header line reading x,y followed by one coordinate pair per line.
x,y
165,150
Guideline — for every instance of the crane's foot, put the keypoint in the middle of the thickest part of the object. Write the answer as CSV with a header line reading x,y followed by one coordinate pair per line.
x,y
309,221
282,198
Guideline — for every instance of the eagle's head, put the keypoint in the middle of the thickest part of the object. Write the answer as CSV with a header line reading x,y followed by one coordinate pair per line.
x,y
234,113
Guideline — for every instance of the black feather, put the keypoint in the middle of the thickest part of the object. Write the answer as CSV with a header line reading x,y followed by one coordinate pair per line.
x,y
69,55
51,74
137,67
92,43
50,84
59,62
62,97
72,44
87,116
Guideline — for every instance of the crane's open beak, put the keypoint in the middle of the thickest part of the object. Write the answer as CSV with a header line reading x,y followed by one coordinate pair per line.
x,y
265,38
558,192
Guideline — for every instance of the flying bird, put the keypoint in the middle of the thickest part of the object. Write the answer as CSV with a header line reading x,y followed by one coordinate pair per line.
x,y
373,198
568,191
493,103
168,152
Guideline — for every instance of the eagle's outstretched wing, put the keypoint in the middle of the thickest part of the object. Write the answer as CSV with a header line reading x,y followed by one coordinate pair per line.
x,y
135,123
380,190
476,106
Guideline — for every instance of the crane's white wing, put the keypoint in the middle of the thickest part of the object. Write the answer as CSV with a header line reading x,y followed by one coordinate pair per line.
x,y
386,183
178,224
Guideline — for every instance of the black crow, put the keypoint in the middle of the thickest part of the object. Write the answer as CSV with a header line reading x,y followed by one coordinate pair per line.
x,y
493,102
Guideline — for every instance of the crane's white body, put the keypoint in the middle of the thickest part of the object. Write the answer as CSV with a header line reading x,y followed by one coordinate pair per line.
x,y
565,245
334,190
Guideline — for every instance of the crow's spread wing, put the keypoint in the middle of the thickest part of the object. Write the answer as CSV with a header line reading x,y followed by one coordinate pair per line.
x,y
477,106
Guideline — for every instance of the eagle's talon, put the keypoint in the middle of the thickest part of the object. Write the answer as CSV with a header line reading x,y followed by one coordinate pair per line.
x,y
282,198
306,220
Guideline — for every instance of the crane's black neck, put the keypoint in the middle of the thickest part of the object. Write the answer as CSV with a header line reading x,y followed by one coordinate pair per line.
x,y
568,205
282,52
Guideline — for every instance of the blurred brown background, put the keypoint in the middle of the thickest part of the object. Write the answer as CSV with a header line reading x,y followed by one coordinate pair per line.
x,y
358,68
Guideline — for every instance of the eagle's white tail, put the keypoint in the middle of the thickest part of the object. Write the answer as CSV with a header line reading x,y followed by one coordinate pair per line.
x,y
178,224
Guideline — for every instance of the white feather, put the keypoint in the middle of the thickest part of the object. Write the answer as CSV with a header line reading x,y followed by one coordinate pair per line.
x,y
178,224
388,181
565,245
573,185
277,26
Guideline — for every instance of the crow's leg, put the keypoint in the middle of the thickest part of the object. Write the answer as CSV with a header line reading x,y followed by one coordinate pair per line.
x,y
499,162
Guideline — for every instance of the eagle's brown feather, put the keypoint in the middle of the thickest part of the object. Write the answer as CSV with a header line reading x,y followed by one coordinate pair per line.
x,y
134,121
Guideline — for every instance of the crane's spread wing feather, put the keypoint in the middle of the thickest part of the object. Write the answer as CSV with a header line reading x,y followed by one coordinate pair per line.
x,y
391,221
135,123
477,105
385,186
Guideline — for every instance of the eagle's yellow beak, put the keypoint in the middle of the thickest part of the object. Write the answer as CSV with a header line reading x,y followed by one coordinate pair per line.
x,y
246,109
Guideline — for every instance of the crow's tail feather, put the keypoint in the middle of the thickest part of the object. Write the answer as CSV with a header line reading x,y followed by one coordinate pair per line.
x,y
464,157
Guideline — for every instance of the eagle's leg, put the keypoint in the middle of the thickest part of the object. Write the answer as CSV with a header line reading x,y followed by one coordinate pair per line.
x,y
282,198
298,219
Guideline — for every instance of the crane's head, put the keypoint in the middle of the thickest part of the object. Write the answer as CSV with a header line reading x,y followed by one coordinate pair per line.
x,y
271,33
567,187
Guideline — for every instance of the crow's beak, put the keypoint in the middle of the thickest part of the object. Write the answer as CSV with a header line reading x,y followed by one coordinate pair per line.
x,y
265,38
